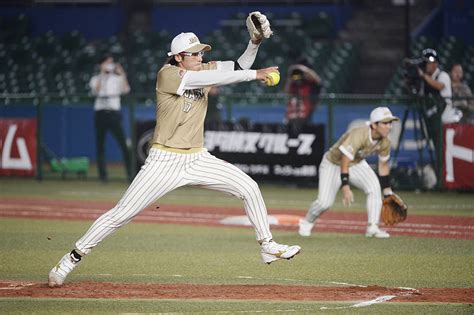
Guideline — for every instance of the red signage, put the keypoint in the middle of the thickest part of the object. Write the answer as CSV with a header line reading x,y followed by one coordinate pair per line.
x,y
458,168
17,147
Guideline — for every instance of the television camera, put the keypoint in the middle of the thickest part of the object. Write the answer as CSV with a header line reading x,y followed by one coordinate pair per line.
x,y
411,74
412,67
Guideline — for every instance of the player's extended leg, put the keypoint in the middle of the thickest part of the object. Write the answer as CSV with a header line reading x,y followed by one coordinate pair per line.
x,y
212,173
161,173
363,177
329,183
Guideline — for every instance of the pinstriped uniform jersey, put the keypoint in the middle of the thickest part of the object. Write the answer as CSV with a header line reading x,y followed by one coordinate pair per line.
x,y
179,118
357,144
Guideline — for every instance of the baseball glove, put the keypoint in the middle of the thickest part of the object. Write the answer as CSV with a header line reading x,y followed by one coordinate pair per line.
x,y
258,26
394,210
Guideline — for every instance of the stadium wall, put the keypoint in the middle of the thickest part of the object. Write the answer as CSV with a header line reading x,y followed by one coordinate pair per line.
x,y
69,131
92,22
202,19
105,21
451,18
459,20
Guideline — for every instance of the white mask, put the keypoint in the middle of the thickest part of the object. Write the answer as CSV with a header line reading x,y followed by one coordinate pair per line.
x,y
110,67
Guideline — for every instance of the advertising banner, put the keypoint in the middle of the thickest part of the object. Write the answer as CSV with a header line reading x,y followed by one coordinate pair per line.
x,y
458,170
17,147
262,150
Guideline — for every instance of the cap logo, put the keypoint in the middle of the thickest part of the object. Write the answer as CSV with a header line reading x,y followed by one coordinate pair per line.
x,y
187,41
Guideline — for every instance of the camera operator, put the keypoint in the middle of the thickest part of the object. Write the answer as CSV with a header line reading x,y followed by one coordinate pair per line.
x,y
436,87
303,86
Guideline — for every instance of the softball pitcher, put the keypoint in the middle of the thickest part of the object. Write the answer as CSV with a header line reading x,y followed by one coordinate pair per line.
x,y
177,157
345,164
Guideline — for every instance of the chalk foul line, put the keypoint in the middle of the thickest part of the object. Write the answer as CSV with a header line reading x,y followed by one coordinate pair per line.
x,y
378,300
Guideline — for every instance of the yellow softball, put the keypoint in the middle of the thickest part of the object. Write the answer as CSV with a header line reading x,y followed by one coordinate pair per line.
x,y
273,78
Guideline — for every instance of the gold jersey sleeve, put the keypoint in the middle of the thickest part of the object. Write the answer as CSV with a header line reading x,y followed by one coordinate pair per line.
x,y
357,144
179,118
169,79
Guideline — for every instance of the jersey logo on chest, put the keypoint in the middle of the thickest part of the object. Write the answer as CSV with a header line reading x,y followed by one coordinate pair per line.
x,y
363,153
190,96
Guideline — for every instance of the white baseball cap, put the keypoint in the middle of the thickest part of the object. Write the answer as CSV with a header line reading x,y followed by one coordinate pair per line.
x,y
382,114
187,42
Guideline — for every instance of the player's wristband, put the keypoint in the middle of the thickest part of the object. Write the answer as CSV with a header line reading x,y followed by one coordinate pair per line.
x,y
384,181
344,179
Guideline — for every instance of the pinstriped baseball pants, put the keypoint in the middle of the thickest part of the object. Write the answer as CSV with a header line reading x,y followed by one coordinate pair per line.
x,y
361,175
165,171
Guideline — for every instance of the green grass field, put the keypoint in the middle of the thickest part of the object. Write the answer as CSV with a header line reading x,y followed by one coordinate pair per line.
x,y
166,253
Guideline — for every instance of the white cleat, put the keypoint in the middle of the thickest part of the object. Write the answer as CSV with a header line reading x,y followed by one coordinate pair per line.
x,y
374,231
58,274
272,251
305,227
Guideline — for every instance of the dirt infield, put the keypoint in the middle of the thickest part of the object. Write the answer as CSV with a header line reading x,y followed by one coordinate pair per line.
x,y
331,221
421,226
233,292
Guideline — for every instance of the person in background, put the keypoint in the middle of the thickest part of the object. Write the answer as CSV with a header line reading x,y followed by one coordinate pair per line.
x,y
302,85
345,164
460,89
108,86
436,85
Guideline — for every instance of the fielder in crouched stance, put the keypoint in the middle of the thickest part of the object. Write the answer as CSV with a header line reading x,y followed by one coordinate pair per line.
x,y
345,163
177,157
